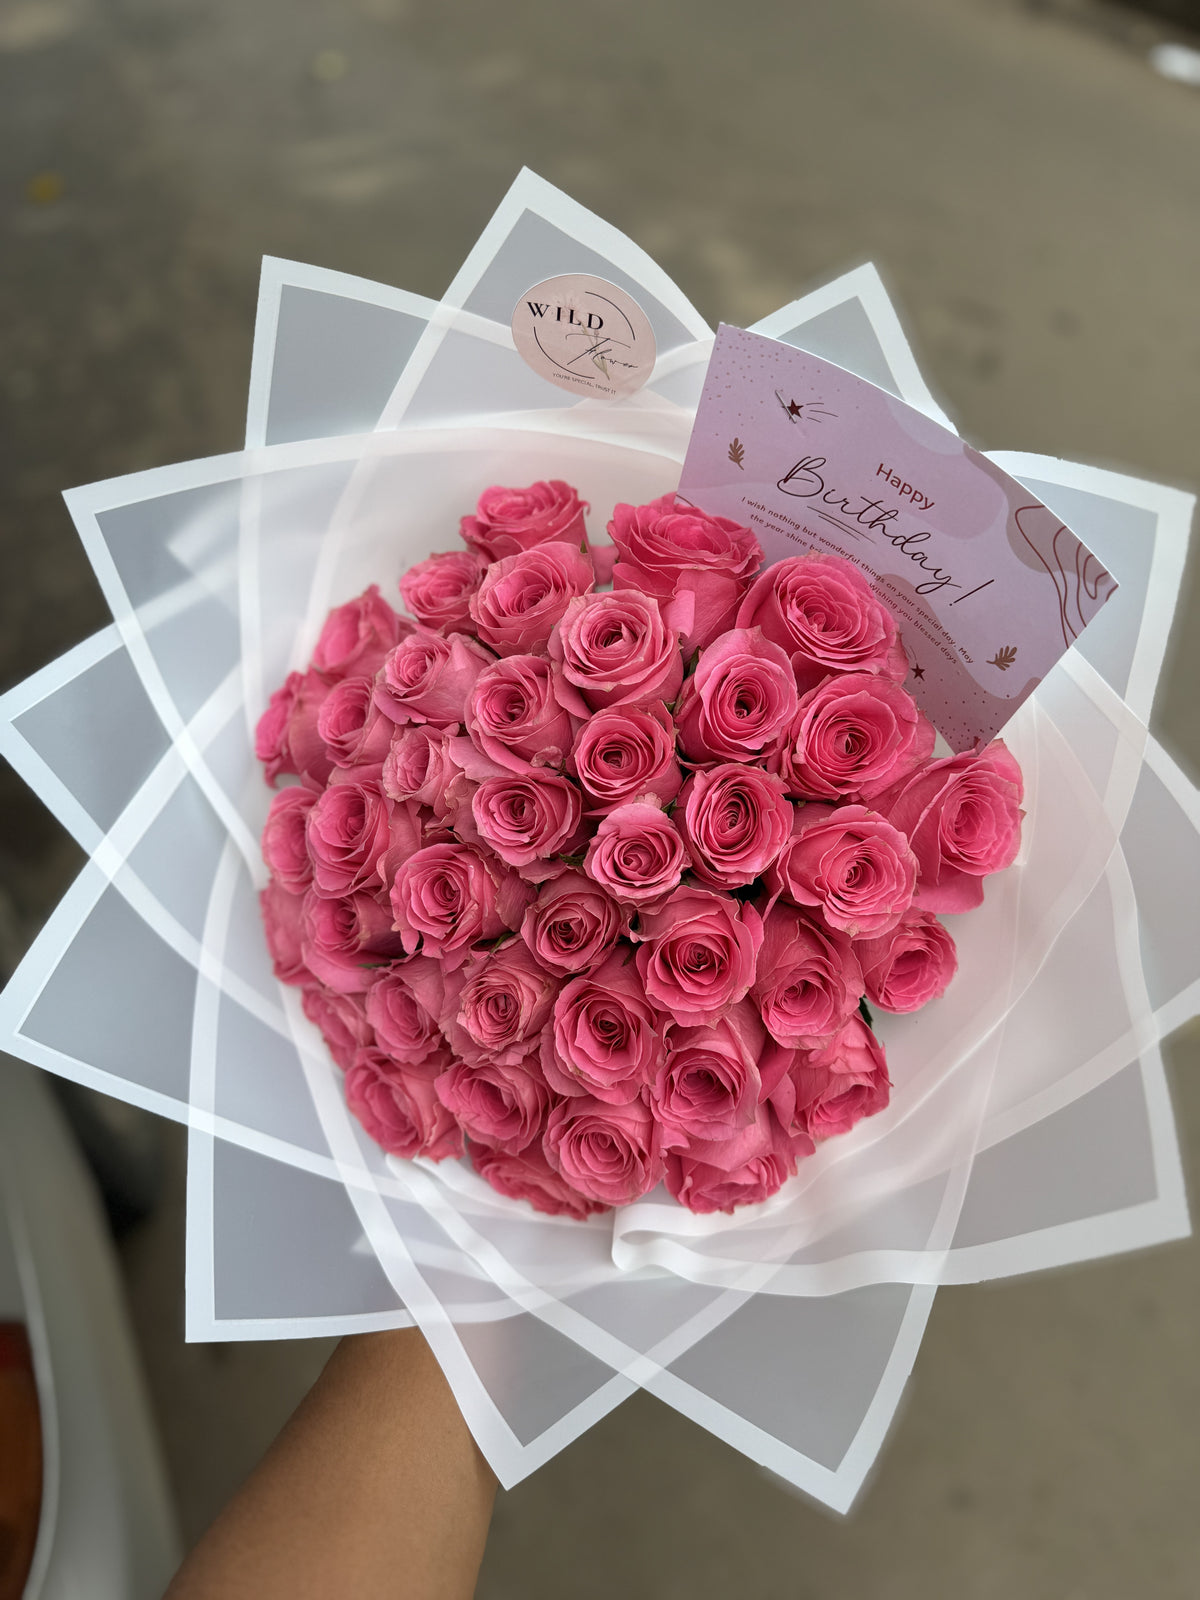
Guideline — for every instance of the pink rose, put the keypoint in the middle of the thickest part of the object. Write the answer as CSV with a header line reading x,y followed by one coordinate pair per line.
x,y
910,965
286,739
615,649
626,754
356,637
527,817
346,940
447,897
605,1039
529,1176
572,925
282,915
503,1003
509,520
403,1027
341,1019
421,768
399,1108
851,864
356,733
348,832
853,737
708,1085
821,611
515,717
734,820
744,1169
504,1105
697,566
808,980
607,1153
429,679
636,854
522,597
284,841
962,816
699,954
740,699
438,590
839,1085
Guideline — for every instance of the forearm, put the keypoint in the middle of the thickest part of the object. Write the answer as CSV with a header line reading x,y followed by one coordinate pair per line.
x,y
375,1489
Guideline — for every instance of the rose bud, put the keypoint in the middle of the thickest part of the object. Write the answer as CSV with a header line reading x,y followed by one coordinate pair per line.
x,y
282,915
853,737
447,897
528,817
822,613
605,1039
909,966
284,838
286,739
341,1019
356,637
734,820
500,1005
615,649
837,1086
528,1176
740,699
399,1108
429,679
607,1153
744,1169
851,864
808,981
345,941
509,520
356,733
402,1026
708,1085
698,954
626,754
515,717
502,1104
572,925
636,854
696,566
962,816
522,597
438,590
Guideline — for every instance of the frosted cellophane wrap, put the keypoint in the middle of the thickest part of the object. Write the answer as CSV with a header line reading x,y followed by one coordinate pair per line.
x,y
1029,1123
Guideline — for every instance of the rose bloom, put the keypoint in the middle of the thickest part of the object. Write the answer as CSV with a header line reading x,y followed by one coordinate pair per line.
x,y
528,1176
626,754
734,820
605,1039
615,649
851,864
744,1169
422,768
523,596
401,1024
349,834
284,838
837,1086
282,915
853,737
822,612
504,1104
356,637
962,816
808,979
399,1108
698,954
695,565
515,717
447,897
636,854
504,1001
286,738
527,817
740,699
509,520
438,590
572,925
909,966
341,1019
345,940
429,679
708,1085
607,1153
356,733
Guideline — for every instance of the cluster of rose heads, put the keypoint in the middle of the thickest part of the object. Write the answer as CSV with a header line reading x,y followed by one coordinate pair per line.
x,y
594,886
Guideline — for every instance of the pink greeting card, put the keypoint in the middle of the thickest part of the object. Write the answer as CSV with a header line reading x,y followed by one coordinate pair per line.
x,y
988,585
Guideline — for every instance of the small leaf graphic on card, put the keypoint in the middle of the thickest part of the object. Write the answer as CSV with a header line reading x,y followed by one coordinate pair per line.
x,y
737,452
1004,657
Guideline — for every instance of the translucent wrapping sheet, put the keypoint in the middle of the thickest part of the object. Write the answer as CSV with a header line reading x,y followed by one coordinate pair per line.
x,y
1029,1124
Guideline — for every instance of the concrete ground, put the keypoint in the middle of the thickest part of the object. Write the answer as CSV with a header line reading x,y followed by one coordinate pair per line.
x,y
1030,190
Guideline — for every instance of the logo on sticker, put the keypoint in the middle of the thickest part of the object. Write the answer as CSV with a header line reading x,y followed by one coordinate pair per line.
x,y
585,335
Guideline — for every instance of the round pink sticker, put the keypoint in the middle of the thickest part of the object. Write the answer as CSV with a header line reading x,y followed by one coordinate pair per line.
x,y
585,335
